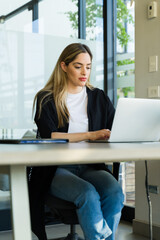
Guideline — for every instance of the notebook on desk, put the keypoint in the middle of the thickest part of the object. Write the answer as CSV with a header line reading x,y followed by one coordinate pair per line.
x,y
32,141
136,120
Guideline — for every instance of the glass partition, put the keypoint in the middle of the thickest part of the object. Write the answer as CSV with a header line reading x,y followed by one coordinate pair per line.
x,y
21,22
27,61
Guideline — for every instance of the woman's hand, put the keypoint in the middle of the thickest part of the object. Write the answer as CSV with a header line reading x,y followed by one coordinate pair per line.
x,y
99,135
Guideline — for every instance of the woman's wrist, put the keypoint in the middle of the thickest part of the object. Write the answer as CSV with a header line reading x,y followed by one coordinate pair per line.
x,y
88,136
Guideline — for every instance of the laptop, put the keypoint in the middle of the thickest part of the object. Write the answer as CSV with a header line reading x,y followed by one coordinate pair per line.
x,y
136,120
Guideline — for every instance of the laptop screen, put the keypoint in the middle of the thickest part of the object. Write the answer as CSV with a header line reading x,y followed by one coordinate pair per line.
x,y
136,119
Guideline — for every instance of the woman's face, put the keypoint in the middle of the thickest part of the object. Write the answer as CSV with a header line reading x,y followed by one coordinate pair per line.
x,y
78,72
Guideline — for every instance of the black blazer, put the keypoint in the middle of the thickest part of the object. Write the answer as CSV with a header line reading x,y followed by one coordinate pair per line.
x,y
100,115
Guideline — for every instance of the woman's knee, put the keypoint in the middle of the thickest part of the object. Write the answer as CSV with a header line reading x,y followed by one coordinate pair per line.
x,y
87,195
117,192
117,189
114,188
119,195
114,196
117,199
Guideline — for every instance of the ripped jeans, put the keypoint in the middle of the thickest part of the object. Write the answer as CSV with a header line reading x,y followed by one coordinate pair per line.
x,y
97,195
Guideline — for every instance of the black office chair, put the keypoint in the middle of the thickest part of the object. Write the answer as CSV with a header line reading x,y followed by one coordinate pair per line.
x,y
65,211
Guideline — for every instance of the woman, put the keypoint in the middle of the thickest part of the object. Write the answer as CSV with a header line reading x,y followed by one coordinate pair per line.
x,y
69,107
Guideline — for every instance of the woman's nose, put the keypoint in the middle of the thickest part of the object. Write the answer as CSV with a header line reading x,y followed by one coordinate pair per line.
x,y
83,71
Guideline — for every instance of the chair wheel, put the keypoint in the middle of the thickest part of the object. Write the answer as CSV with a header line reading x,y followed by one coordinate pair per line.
x,y
72,237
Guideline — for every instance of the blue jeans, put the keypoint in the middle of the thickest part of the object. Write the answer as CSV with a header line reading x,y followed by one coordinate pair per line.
x,y
97,195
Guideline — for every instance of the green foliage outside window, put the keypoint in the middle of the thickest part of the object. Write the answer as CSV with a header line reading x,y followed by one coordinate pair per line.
x,y
93,11
123,16
126,90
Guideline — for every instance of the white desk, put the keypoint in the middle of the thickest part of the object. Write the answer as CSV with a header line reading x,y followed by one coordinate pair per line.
x,y
17,157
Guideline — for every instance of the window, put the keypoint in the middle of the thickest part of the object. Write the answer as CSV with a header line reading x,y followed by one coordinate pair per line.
x,y
8,6
55,18
21,21
125,82
125,49
94,32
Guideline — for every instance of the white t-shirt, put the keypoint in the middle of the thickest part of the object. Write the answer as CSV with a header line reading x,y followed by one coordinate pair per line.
x,y
77,107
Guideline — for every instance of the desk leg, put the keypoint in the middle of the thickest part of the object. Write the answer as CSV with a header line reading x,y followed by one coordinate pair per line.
x,y
20,203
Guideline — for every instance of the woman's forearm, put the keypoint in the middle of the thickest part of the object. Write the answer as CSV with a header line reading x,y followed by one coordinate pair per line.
x,y
77,137
72,137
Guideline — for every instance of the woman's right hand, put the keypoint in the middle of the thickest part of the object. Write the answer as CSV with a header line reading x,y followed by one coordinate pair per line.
x,y
99,135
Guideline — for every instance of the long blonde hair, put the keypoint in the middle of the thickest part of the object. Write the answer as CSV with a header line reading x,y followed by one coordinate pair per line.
x,y
57,83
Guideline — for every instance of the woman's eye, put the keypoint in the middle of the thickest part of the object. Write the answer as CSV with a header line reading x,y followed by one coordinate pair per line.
x,y
79,67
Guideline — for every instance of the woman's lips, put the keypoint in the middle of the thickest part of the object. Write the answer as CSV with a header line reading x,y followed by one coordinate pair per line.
x,y
83,79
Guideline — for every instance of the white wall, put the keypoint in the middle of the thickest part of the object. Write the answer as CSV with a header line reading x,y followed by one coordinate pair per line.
x,y
147,33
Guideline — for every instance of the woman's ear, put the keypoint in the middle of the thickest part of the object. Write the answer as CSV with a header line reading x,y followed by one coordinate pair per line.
x,y
63,66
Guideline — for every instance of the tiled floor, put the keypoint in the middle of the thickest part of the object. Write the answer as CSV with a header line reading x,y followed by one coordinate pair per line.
x,y
124,232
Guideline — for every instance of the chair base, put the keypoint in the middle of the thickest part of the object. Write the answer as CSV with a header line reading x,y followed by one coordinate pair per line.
x,y
73,237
